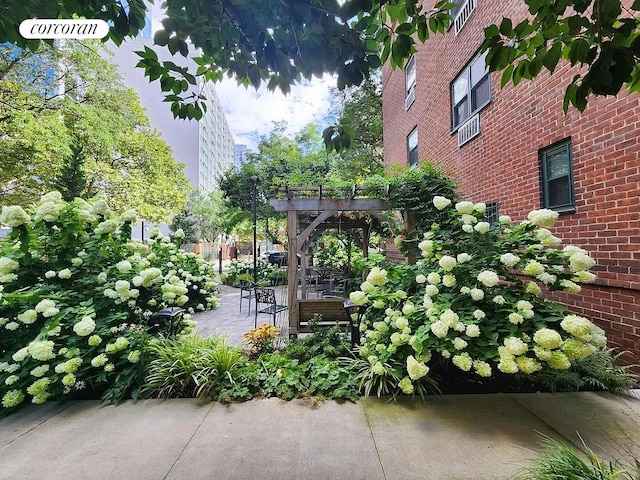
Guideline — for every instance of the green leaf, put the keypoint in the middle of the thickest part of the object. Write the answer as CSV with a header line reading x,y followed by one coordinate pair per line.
x,y
552,57
161,37
506,76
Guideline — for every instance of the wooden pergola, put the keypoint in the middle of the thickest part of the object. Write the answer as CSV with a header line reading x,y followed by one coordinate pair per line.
x,y
322,202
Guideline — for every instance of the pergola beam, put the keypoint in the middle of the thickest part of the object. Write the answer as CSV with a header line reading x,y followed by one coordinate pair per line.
x,y
318,204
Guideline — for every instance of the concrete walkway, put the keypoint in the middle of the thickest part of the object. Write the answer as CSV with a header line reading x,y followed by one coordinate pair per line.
x,y
448,437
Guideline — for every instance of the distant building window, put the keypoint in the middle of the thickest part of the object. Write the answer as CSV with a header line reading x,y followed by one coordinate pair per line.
x,y
470,91
492,213
410,82
556,164
412,147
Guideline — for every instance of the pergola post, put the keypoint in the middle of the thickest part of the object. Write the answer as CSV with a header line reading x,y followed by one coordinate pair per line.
x,y
292,271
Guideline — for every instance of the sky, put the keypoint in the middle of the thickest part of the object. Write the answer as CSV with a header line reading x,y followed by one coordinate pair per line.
x,y
251,113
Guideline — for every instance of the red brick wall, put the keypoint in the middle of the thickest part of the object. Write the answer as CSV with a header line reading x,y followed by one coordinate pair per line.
x,y
501,165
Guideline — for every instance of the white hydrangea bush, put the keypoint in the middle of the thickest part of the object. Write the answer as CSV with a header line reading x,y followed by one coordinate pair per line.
x,y
77,298
475,299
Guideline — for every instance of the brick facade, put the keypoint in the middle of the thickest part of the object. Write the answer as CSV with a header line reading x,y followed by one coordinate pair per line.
x,y
502,163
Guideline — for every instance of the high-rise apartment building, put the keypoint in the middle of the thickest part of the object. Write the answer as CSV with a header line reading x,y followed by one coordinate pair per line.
x,y
240,155
205,147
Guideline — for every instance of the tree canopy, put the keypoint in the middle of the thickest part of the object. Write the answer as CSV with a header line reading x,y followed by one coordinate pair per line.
x,y
60,100
282,41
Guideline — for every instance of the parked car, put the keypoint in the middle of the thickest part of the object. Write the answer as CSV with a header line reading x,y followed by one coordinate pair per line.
x,y
280,259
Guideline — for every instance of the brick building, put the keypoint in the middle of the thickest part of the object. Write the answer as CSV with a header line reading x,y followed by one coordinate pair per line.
x,y
514,148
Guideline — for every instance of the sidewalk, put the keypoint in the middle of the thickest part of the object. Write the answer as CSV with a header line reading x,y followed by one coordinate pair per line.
x,y
447,437
473,437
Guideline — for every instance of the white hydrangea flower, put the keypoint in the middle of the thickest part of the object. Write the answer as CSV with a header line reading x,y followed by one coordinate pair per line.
x,y
84,327
547,338
476,294
426,247
367,287
433,278
463,257
124,266
584,277
577,326
527,365
108,226
472,330
533,288
41,350
416,369
504,219
407,309
14,216
459,343
543,217
463,361
421,279
450,317
53,196
464,207
441,202
515,346
440,328
50,274
479,314
129,216
377,276
358,297
509,259
101,208
467,228
7,265
488,278
580,261
48,212
482,368
11,326
465,290
480,207
64,274
40,371
449,280
28,317
468,220
533,268
482,227
447,263
547,278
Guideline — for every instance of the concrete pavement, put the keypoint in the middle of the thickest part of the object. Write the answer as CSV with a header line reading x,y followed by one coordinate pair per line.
x,y
472,437
447,437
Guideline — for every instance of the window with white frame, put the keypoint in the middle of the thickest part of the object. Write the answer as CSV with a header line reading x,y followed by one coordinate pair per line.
x,y
412,147
470,91
410,82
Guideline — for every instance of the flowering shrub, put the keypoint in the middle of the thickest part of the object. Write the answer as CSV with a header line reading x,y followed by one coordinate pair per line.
x,y
475,299
77,297
243,270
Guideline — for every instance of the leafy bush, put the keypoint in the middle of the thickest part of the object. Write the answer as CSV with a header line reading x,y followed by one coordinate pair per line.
x,y
260,339
558,461
596,372
476,299
78,297
190,366
242,270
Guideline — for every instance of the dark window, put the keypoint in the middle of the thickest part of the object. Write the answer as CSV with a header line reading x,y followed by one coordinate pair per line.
x,y
470,91
412,147
557,177
492,214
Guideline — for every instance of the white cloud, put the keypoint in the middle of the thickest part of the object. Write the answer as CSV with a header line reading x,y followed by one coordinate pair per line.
x,y
251,113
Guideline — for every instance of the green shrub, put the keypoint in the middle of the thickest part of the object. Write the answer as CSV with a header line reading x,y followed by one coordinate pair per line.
x,y
242,270
77,297
559,461
190,366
